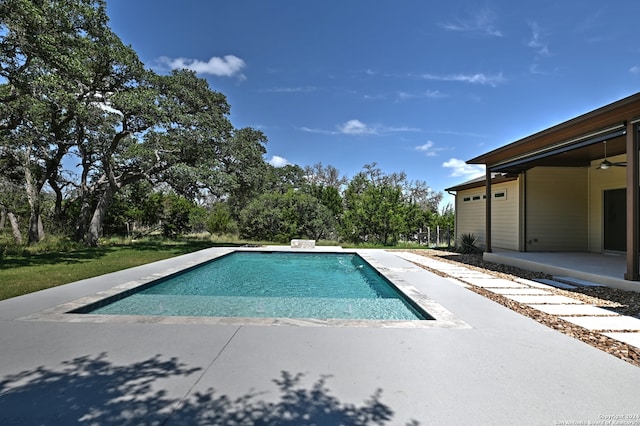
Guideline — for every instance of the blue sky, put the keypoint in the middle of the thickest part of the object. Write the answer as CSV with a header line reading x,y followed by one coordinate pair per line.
x,y
413,85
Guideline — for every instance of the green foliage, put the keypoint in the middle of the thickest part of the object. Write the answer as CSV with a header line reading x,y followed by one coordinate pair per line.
x,y
219,220
330,197
59,60
243,167
177,212
377,211
467,244
198,219
282,179
282,217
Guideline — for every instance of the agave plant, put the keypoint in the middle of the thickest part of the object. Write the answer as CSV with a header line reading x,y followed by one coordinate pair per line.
x,y
467,244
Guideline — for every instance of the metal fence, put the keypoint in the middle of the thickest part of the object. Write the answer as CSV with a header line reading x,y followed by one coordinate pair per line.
x,y
435,237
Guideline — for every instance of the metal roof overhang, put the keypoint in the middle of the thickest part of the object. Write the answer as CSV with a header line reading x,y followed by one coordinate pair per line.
x,y
572,143
481,182
543,157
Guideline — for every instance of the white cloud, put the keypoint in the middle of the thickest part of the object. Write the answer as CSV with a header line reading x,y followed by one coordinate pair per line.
x,y
535,69
481,22
320,131
428,94
399,129
356,127
303,89
635,69
459,133
537,42
480,78
460,168
427,149
227,66
277,161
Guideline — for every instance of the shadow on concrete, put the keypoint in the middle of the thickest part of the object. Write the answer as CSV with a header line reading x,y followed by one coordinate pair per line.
x,y
92,390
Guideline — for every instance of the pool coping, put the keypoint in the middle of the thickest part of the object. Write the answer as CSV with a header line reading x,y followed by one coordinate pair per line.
x,y
443,318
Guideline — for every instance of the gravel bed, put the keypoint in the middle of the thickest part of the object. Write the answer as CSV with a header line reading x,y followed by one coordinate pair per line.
x,y
618,301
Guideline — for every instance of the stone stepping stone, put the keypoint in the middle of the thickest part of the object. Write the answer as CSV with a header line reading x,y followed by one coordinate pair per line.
x,y
535,284
573,310
535,300
521,291
494,283
632,339
556,284
577,281
469,274
606,323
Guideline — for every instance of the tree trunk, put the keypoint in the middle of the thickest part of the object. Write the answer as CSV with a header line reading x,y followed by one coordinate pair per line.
x,y
33,196
57,210
95,227
3,216
40,228
34,229
83,218
17,235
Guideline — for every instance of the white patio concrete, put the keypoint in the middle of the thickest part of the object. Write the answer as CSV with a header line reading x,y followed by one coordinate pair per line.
x,y
605,269
503,369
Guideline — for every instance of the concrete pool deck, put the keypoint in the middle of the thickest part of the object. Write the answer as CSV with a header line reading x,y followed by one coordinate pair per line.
x,y
503,368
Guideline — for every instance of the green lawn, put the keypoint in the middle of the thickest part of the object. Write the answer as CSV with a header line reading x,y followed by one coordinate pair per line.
x,y
28,273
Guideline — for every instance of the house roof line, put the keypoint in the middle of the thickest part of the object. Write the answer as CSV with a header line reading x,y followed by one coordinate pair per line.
x,y
479,182
593,122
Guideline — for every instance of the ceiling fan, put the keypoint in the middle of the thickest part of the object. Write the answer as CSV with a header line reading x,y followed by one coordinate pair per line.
x,y
607,164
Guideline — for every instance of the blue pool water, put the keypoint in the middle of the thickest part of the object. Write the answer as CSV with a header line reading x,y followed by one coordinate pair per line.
x,y
271,285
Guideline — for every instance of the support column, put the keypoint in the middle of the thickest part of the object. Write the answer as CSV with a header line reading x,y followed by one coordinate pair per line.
x,y
633,189
487,226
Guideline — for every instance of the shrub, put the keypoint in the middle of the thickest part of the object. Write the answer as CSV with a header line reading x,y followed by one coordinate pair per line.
x,y
467,244
220,222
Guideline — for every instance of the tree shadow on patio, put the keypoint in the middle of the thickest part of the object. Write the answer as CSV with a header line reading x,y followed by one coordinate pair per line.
x,y
92,390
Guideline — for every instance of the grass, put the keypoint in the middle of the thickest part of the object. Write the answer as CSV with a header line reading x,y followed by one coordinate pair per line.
x,y
32,271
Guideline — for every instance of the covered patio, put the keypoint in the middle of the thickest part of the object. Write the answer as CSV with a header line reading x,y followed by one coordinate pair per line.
x,y
587,144
604,269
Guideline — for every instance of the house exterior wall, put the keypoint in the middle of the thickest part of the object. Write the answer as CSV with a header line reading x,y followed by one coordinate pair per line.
x,y
505,220
557,209
600,181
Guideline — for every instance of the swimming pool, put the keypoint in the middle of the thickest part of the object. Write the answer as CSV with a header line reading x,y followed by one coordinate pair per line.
x,y
269,285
